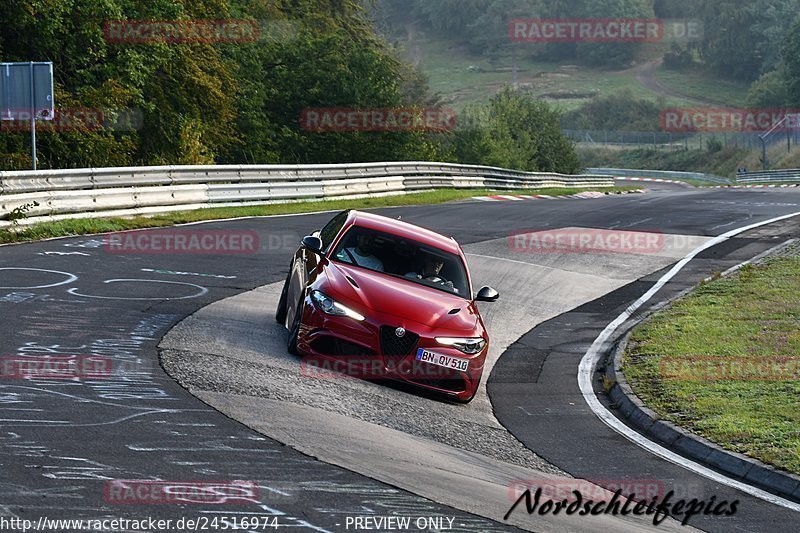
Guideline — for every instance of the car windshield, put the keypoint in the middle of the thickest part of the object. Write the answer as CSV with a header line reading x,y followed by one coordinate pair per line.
x,y
403,258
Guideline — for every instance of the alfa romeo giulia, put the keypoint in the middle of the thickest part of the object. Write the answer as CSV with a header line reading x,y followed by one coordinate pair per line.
x,y
380,298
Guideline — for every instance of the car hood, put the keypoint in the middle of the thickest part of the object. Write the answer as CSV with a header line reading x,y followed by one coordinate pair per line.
x,y
402,298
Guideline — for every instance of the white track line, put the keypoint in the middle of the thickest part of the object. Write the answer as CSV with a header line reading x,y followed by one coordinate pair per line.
x,y
592,356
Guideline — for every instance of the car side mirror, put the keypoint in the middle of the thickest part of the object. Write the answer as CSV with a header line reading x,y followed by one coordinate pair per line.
x,y
313,243
487,294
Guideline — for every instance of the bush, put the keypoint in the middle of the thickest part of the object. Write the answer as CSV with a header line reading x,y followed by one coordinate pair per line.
x,y
714,145
619,112
514,131
768,91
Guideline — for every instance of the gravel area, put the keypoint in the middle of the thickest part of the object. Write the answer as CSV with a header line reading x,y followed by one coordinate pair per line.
x,y
370,402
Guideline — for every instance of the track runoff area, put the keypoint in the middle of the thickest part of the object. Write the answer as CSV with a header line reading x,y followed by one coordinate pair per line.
x,y
207,439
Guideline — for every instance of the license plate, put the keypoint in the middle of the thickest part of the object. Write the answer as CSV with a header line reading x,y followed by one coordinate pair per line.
x,y
446,361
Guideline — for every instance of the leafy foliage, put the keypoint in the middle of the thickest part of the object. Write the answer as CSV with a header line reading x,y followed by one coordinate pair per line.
x,y
791,57
768,91
483,25
515,131
620,112
241,102
742,39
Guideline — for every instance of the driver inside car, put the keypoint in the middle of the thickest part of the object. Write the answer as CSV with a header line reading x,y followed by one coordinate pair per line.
x,y
431,266
361,254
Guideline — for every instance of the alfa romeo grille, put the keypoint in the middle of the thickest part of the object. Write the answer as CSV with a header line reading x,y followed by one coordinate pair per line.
x,y
394,346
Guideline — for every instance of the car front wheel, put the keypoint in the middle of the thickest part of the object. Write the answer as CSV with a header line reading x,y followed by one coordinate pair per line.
x,y
291,345
280,313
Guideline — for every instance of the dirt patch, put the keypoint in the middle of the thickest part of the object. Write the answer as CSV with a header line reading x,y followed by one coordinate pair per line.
x,y
571,95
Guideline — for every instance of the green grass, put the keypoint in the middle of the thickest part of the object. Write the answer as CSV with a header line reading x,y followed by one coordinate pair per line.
x,y
699,84
721,163
47,230
752,315
567,86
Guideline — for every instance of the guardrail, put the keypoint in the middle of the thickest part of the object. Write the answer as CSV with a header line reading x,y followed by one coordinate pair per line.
x,y
658,174
786,175
62,194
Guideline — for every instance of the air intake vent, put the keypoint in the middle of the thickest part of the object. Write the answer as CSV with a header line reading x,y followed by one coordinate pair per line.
x,y
394,346
454,311
352,281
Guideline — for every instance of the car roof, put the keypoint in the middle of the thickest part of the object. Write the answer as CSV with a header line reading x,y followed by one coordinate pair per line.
x,y
400,228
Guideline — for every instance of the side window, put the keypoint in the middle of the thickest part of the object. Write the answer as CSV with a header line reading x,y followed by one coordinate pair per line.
x,y
332,229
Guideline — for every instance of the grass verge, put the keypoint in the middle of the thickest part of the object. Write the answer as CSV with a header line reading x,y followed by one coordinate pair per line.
x,y
700,84
47,230
462,77
723,362
721,163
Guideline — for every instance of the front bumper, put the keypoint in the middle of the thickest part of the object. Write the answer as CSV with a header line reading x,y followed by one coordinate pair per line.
x,y
357,349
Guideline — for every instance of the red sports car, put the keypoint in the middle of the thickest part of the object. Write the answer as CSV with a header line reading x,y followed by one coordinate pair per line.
x,y
379,298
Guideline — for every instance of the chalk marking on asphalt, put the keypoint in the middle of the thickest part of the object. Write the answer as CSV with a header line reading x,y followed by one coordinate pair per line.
x,y
592,356
534,265
723,225
179,273
508,260
201,292
64,253
70,278
637,222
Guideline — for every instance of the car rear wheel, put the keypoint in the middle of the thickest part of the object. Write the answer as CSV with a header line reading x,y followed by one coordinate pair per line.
x,y
291,345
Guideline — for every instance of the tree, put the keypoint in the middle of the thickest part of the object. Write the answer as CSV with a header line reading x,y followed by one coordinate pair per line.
x,y
620,111
742,38
212,102
451,17
772,20
617,54
768,91
791,58
515,131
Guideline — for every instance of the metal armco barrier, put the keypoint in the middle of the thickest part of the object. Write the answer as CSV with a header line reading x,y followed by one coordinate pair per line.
x,y
660,174
767,176
105,192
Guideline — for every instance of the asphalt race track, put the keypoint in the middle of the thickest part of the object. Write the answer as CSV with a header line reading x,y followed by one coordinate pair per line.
x,y
322,451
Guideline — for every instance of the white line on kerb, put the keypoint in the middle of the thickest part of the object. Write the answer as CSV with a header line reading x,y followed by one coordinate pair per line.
x,y
592,356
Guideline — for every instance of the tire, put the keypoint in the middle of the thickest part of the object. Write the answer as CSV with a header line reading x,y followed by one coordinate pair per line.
x,y
280,312
291,345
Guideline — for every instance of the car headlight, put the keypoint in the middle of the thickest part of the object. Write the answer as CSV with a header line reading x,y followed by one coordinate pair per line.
x,y
329,306
468,345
